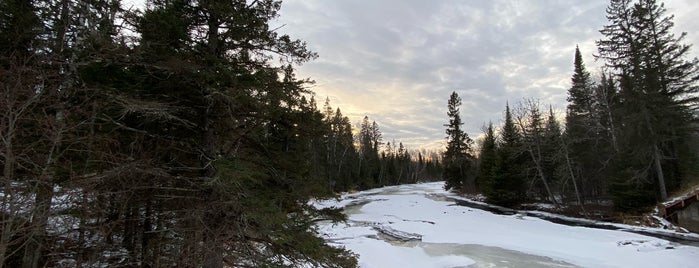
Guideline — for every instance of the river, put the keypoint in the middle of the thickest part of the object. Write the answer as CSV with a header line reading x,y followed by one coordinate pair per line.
x,y
422,225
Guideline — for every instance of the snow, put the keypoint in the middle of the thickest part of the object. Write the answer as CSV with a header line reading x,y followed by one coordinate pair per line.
x,y
667,229
681,197
439,233
377,253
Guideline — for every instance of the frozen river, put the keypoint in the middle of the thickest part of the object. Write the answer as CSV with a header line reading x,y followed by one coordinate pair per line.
x,y
419,226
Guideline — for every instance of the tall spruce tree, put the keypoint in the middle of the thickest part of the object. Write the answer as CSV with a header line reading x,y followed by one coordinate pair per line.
x,y
488,165
579,116
345,154
508,186
658,87
369,138
551,151
582,128
457,159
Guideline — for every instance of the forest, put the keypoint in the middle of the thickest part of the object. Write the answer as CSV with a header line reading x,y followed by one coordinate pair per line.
x,y
179,135
176,136
629,137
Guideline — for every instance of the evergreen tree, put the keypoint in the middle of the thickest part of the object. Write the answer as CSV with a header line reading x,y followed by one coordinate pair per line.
x,y
377,168
370,166
488,161
583,129
183,147
606,101
552,152
345,153
508,186
580,113
531,124
404,164
657,93
457,159
340,153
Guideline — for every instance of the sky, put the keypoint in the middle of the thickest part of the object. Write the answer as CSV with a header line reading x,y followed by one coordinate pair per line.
x,y
397,61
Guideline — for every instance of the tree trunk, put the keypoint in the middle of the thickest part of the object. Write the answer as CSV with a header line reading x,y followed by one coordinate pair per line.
x,y
213,251
8,177
7,219
572,176
612,130
37,239
537,162
656,159
659,172
42,200
540,170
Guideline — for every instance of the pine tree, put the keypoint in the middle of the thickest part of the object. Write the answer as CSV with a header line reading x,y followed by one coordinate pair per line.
x,y
582,128
606,101
579,116
551,149
530,121
488,161
345,153
366,155
184,148
337,148
457,159
657,87
508,186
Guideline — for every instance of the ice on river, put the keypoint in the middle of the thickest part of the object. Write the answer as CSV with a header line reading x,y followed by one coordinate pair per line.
x,y
413,226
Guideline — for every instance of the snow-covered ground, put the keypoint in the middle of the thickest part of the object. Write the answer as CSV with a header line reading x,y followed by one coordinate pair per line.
x,y
417,226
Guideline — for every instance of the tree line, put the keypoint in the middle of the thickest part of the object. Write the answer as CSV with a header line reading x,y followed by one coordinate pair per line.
x,y
363,160
629,136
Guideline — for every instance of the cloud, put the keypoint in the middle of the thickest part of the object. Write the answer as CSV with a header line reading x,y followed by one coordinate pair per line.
x,y
397,61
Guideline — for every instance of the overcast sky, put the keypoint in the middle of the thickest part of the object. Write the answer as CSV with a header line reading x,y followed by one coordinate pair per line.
x,y
397,61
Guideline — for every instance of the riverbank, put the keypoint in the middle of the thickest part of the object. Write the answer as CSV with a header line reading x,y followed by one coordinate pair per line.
x,y
650,225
